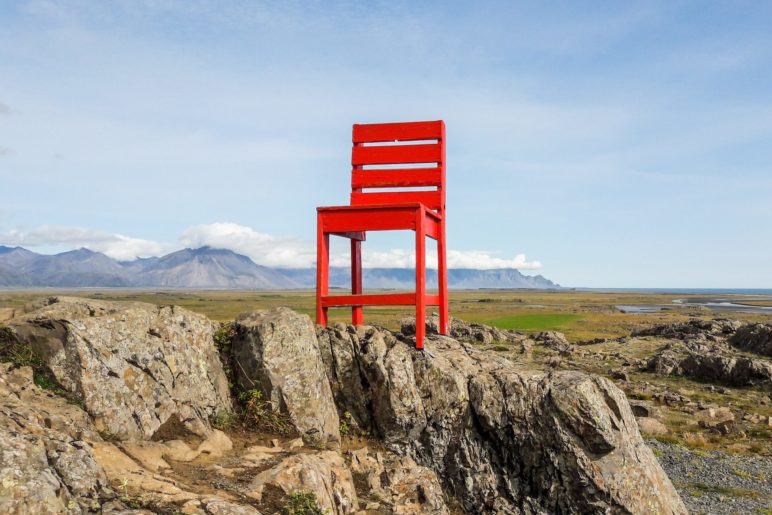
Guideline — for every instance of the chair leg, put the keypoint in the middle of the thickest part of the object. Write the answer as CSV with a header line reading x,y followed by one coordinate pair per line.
x,y
357,315
442,281
420,280
322,270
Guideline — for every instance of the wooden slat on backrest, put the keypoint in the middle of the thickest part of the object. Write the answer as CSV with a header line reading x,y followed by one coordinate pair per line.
x,y
375,157
396,154
396,178
408,131
431,199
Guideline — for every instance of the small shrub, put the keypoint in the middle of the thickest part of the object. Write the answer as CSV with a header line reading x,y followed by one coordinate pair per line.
x,y
345,424
301,503
258,412
224,420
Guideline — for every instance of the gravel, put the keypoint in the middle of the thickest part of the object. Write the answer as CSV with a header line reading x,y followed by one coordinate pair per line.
x,y
715,482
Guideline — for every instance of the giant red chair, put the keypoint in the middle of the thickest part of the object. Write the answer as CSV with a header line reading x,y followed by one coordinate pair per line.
x,y
394,156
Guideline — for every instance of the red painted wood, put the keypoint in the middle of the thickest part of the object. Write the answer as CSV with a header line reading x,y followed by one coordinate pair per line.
x,y
322,270
421,211
383,299
368,219
420,279
431,199
432,227
396,154
432,300
396,178
352,235
442,281
357,316
409,131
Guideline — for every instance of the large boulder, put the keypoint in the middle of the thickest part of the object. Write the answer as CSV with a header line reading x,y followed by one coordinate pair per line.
x,y
501,439
141,371
278,353
47,464
754,338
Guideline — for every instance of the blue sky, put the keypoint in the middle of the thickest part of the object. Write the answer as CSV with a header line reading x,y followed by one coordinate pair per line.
x,y
614,144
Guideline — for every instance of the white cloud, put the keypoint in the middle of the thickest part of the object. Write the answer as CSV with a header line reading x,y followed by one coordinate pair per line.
x,y
264,249
116,246
401,258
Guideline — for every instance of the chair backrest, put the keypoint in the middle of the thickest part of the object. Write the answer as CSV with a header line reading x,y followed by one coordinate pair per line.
x,y
401,157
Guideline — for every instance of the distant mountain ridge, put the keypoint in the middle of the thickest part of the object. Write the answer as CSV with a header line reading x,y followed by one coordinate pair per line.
x,y
208,267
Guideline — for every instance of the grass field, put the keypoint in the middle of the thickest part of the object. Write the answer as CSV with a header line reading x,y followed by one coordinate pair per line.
x,y
530,323
580,315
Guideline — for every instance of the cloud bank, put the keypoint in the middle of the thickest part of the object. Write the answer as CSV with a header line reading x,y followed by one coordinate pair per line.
x,y
263,249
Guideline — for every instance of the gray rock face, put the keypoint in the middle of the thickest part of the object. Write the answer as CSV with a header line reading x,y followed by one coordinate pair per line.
x,y
502,440
754,338
138,368
277,352
734,370
555,341
46,464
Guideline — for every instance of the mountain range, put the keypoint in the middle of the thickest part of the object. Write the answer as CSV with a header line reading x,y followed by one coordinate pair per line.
x,y
208,267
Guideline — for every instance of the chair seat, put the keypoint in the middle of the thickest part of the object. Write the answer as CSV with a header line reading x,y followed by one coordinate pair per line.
x,y
383,207
377,217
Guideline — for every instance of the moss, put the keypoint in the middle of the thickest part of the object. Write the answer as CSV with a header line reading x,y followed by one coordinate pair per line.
x,y
697,489
23,355
747,475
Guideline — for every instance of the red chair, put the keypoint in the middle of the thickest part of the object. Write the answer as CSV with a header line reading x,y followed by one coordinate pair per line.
x,y
377,149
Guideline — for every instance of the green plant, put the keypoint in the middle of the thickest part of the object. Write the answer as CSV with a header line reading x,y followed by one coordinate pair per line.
x,y
698,489
22,354
260,414
747,475
301,503
223,337
224,420
345,423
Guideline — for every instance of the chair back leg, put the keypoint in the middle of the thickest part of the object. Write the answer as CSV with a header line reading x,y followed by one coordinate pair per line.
x,y
442,280
357,314
322,270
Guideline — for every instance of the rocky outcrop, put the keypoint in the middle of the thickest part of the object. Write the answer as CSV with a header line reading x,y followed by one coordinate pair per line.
x,y
502,440
556,341
398,483
714,367
756,338
463,331
141,371
695,328
323,474
278,353
47,464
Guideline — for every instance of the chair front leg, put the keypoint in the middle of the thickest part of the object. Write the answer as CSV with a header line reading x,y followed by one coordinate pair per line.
x,y
420,279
